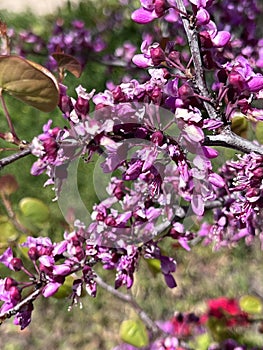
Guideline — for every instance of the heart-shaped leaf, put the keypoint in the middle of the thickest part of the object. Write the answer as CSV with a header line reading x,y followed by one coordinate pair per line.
x,y
239,125
29,82
68,62
34,210
134,332
250,304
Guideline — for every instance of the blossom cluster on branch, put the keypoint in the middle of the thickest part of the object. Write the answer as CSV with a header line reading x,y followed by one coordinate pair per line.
x,y
155,136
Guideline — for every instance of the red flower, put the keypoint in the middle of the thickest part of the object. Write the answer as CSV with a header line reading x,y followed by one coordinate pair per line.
x,y
228,309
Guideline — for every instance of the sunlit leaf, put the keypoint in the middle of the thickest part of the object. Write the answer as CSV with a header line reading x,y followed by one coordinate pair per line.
x,y
29,82
154,266
7,229
250,304
8,184
202,342
259,132
34,210
239,125
69,63
23,250
66,289
134,332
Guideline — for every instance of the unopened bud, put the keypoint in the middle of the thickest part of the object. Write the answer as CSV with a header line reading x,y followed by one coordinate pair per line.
x,y
17,264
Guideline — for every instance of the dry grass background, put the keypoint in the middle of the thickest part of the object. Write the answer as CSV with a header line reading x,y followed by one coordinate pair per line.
x,y
201,274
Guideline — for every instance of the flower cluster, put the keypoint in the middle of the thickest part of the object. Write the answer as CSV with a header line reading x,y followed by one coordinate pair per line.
x,y
46,148
153,137
78,42
241,214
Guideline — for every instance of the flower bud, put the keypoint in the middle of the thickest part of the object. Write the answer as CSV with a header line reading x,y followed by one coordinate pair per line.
x,y
33,253
17,264
82,105
258,172
110,221
118,94
10,282
202,17
160,7
157,138
185,91
237,81
15,294
157,55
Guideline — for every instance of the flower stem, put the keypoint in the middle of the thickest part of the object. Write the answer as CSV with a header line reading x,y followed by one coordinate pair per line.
x,y
15,138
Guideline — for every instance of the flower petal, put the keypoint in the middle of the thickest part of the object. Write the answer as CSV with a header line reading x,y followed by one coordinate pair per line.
x,y
143,16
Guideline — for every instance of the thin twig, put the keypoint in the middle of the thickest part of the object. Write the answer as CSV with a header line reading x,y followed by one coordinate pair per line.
x,y
13,157
151,325
8,118
230,140
11,214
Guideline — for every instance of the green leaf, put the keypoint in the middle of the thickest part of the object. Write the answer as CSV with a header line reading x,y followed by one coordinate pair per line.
x,y
7,229
34,210
259,132
202,342
239,125
134,332
29,82
23,250
250,304
154,266
66,289
68,62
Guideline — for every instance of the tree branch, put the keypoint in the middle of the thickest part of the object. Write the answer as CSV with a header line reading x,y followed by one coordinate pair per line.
x,y
192,37
230,140
151,325
13,157
11,312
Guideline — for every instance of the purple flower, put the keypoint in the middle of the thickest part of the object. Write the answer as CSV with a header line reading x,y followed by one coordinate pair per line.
x,y
23,317
146,13
126,267
50,289
46,147
7,257
202,17
168,265
242,77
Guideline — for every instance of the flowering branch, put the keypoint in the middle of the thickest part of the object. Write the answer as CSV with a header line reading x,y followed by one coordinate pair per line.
x,y
18,307
229,139
192,37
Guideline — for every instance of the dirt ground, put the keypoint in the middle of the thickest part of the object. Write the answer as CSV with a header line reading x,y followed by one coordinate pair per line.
x,y
38,7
